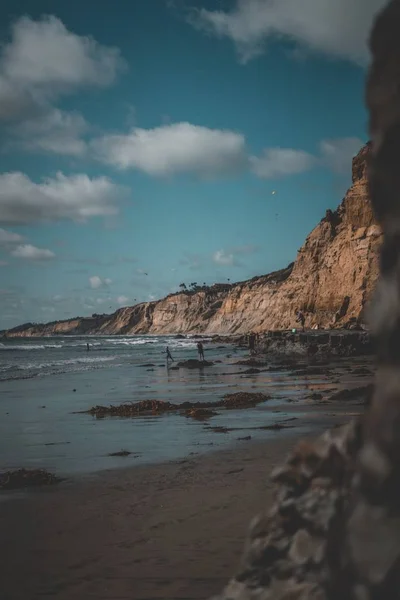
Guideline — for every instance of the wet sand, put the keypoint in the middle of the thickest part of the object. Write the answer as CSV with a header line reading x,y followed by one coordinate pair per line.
x,y
162,531
166,531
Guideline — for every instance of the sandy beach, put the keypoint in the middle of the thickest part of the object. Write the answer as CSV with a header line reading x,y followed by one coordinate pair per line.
x,y
169,520
166,531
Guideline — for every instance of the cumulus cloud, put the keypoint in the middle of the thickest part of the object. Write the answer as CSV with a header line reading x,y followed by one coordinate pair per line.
x,y
280,162
229,257
97,282
222,257
29,252
336,28
54,131
338,153
122,300
9,237
43,59
74,197
173,149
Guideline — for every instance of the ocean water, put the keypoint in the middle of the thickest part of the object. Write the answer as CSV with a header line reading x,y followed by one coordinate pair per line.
x,y
45,382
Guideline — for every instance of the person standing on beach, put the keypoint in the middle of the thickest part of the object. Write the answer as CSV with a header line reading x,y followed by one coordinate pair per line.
x,y
252,343
87,347
169,355
200,351
301,318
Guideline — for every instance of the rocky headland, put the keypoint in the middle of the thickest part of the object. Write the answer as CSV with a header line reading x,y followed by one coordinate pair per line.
x,y
330,281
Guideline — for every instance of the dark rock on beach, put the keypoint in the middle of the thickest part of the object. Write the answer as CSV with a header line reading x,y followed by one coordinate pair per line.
x,y
192,363
23,478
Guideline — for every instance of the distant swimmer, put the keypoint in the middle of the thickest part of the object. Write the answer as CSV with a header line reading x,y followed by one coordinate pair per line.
x,y
200,351
169,355
87,347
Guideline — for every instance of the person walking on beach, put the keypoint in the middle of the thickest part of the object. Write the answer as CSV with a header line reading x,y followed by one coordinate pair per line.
x,y
301,318
200,351
252,343
87,347
169,355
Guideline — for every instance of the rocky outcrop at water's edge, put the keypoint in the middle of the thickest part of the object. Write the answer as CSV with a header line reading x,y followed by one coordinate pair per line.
x,y
330,281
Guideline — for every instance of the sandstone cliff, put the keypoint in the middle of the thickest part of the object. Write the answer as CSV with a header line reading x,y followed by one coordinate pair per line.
x,y
331,280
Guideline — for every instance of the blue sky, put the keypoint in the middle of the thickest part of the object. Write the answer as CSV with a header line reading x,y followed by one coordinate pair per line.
x,y
162,142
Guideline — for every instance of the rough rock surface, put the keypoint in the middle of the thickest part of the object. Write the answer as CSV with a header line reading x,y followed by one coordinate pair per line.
x,y
331,280
292,551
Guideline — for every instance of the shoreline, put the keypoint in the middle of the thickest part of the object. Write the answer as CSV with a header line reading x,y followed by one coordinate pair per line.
x,y
164,530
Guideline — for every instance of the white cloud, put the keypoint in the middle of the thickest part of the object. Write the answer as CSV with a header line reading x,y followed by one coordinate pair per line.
x,y
173,149
97,282
337,154
55,131
122,300
74,197
280,162
337,28
29,252
9,237
43,59
229,256
221,257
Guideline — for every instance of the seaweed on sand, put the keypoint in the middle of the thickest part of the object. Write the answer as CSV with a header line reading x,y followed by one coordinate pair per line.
x,y
23,478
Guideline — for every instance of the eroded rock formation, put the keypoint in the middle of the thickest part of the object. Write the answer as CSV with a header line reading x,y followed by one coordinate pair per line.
x,y
331,280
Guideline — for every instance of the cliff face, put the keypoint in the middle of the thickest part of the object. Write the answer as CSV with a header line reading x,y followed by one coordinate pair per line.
x,y
331,280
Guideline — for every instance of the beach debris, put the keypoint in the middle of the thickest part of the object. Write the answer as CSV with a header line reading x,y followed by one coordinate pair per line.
x,y
246,438
130,409
220,429
157,407
244,399
354,393
23,478
274,427
193,363
200,413
56,443
252,362
121,453
362,371
315,396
